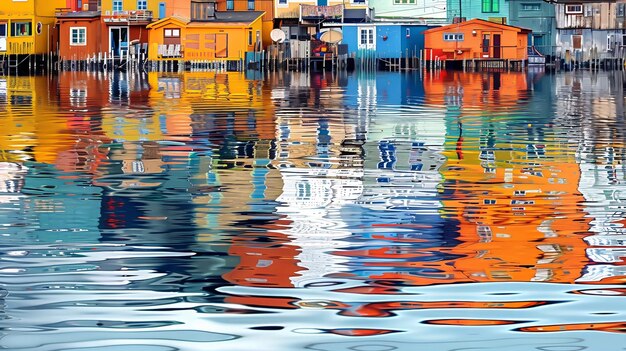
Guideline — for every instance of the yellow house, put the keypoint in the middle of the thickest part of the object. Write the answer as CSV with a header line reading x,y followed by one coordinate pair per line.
x,y
219,36
26,26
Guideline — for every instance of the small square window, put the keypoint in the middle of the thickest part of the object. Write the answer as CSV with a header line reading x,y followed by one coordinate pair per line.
x,y
574,9
78,36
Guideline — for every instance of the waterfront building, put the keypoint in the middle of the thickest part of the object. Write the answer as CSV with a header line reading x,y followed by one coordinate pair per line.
x,y
301,20
206,35
384,40
590,32
539,17
477,40
266,6
26,29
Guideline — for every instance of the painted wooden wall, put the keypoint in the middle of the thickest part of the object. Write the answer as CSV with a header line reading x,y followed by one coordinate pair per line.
x,y
471,9
594,16
419,9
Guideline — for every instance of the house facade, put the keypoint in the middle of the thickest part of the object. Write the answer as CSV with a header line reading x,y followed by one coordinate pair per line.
x,y
266,6
26,26
208,35
590,31
538,16
476,39
301,19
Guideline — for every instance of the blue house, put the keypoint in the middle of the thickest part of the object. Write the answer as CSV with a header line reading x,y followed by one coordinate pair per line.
x,y
382,41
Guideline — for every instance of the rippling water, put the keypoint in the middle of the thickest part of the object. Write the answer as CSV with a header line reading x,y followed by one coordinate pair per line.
x,y
395,211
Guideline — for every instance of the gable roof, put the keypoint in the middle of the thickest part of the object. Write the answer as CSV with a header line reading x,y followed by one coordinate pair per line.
x,y
181,21
478,21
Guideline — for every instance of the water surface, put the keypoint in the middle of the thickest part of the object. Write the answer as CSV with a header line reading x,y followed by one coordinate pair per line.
x,y
392,211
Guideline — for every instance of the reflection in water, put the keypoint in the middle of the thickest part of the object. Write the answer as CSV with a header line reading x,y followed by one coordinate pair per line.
x,y
158,212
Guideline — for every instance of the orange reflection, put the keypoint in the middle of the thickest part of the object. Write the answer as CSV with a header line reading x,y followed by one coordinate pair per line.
x,y
613,327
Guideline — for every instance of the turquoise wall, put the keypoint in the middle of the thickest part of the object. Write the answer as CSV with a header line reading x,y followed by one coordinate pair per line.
x,y
473,9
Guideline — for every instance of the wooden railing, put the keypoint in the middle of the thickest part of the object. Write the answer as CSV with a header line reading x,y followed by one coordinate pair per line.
x,y
128,16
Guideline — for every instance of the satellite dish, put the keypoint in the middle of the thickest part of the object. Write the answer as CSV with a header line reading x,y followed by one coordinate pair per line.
x,y
331,36
277,35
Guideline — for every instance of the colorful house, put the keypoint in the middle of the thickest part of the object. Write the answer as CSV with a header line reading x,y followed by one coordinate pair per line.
x,y
476,40
387,40
80,35
212,35
266,6
300,19
538,16
125,24
26,26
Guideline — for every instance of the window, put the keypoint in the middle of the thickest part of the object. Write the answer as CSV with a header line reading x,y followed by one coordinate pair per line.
x,y
202,10
117,6
531,7
282,2
78,36
249,38
404,2
453,37
620,9
489,202
250,5
574,9
366,38
491,6
3,37
21,29
230,5
171,33
142,4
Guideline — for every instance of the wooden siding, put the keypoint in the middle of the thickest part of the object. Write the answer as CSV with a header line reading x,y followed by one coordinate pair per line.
x,y
601,16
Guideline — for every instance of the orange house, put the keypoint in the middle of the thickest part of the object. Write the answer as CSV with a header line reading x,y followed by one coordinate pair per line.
x,y
476,39
80,35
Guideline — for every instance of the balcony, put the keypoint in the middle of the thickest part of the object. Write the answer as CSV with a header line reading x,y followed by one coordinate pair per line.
x,y
127,16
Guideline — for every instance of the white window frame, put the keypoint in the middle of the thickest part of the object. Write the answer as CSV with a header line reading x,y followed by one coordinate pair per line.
x,y
453,37
142,4
531,7
121,7
78,29
405,2
370,37
3,39
574,9
171,33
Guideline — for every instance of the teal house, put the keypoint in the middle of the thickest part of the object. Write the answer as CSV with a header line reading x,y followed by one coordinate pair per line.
x,y
538,16
488,10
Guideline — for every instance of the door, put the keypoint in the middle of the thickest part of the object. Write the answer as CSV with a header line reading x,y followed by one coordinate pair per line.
x,y
161,10
3,37
577,42
486,44
118,41
497,50
221,45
